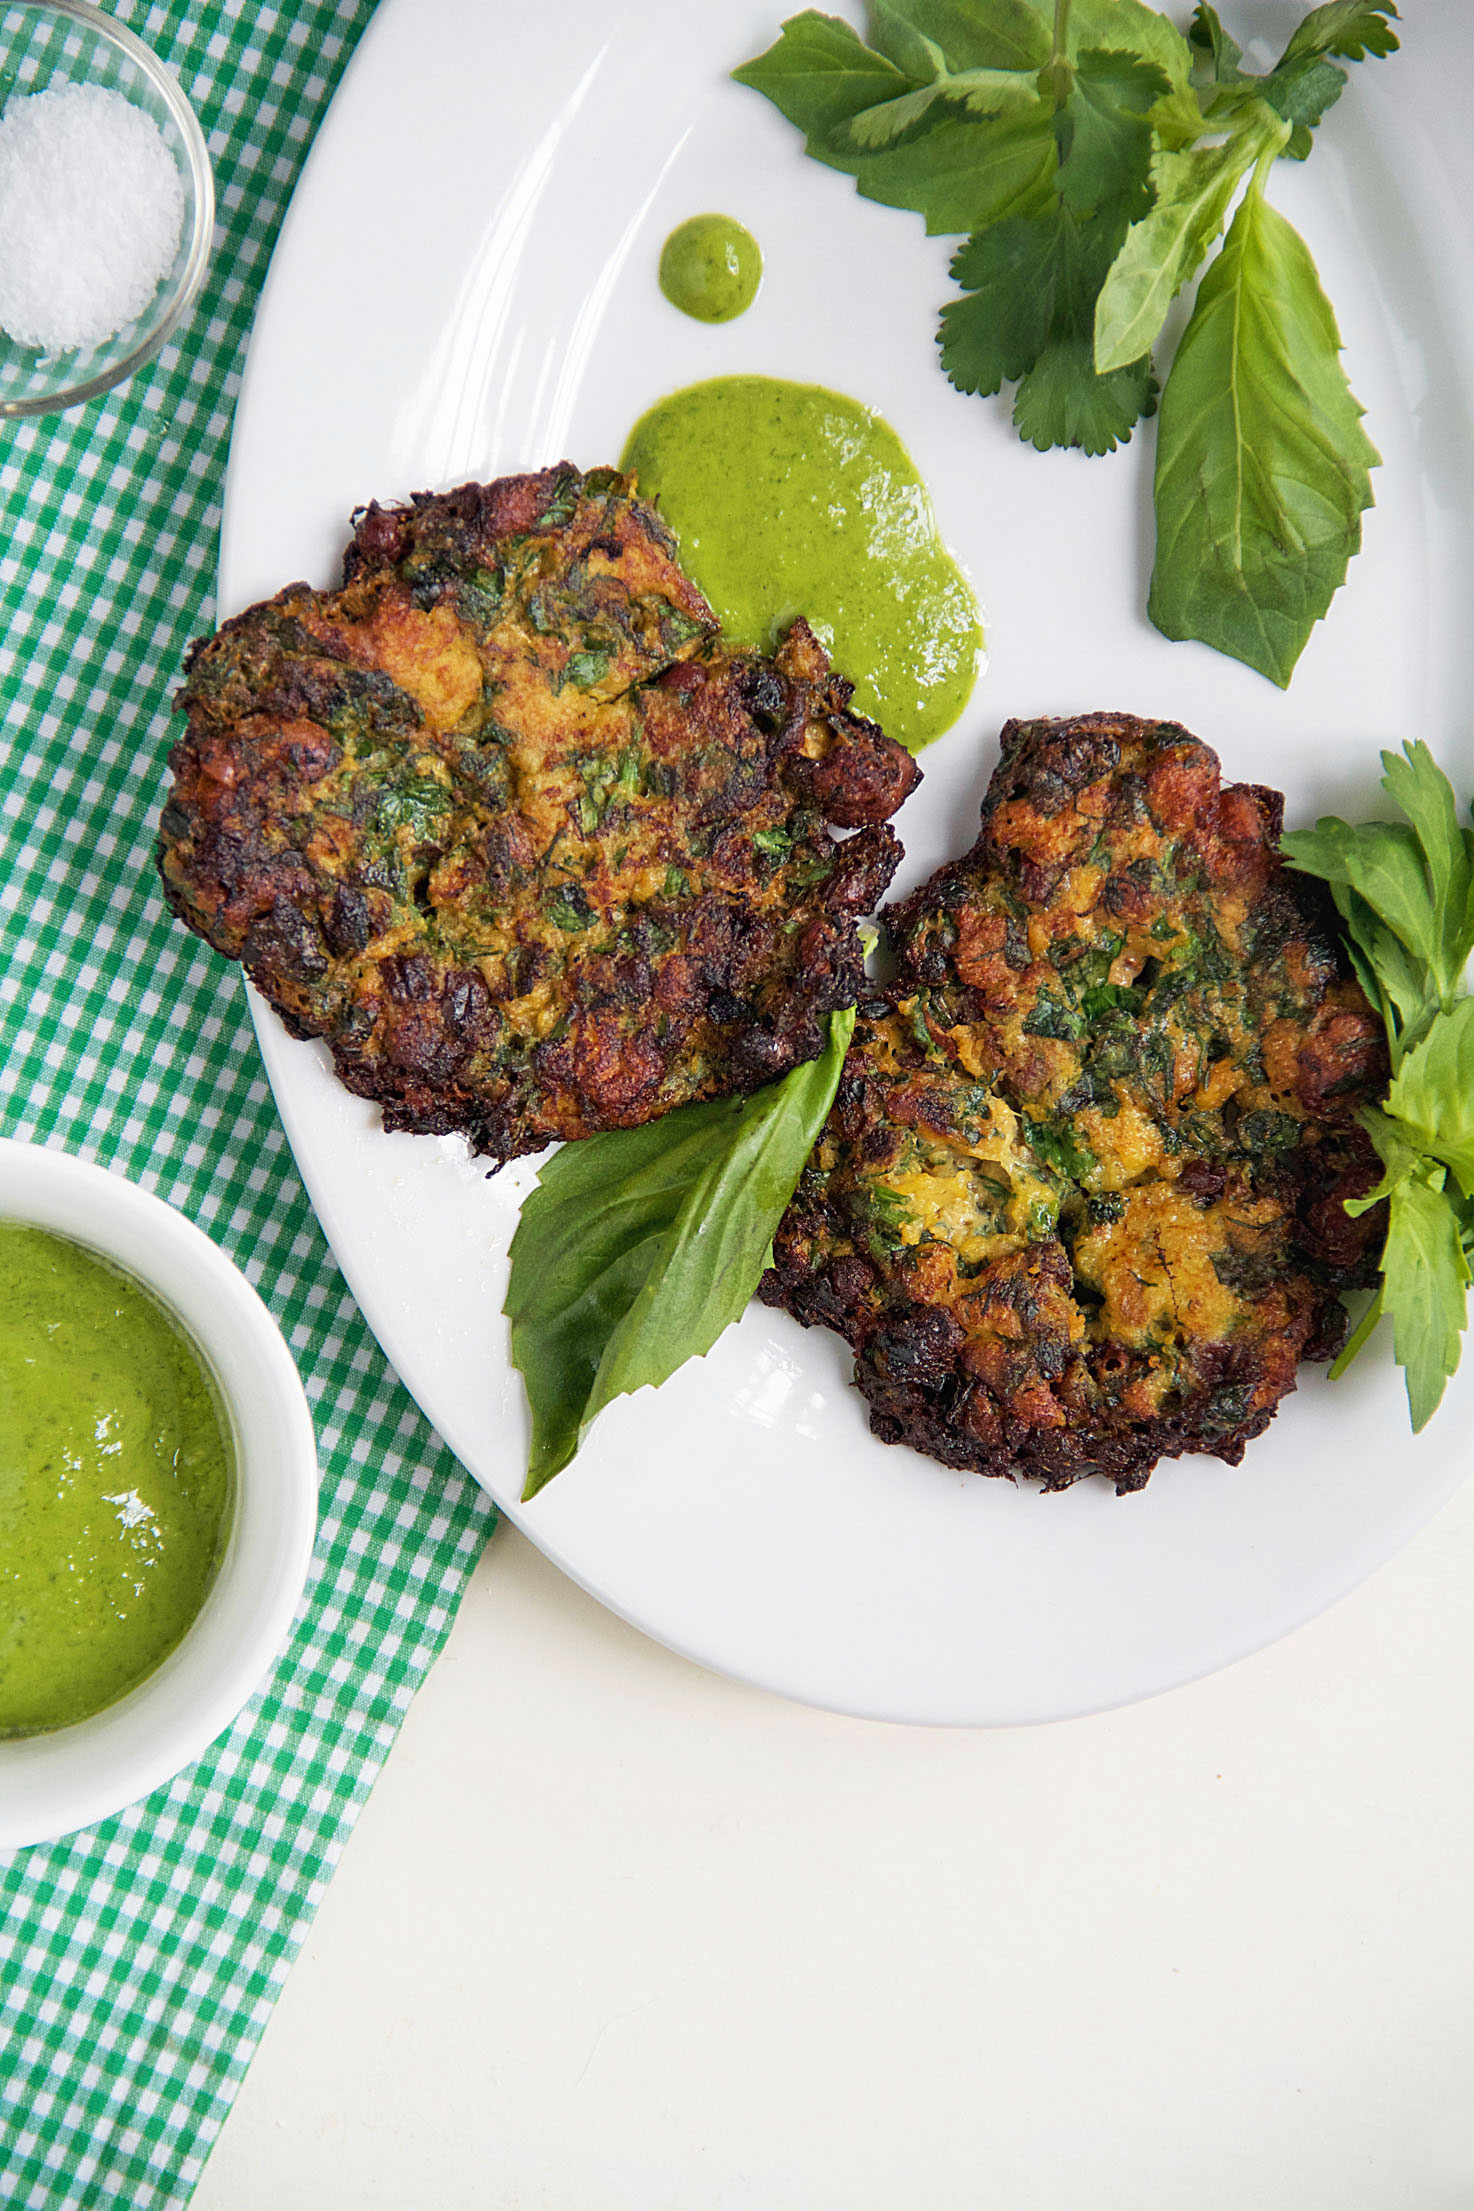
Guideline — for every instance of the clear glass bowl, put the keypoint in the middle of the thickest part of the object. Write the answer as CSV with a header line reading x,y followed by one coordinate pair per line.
x,y
44,43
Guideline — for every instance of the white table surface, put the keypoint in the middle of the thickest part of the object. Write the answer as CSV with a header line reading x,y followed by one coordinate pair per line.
x,y
614,1934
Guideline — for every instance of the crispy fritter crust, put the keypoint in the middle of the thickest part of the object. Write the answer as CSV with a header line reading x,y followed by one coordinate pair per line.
x,y
1078,1205
507,823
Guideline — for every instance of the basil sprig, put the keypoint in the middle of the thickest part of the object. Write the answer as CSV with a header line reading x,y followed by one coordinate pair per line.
x,y
1405,892
1092,151
639,1247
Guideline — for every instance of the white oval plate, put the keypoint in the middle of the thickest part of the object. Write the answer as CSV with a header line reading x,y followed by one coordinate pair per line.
x,y
465,287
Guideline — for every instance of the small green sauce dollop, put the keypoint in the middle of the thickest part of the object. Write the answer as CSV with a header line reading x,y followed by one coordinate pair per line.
x,y
789,499
710,267
115,1482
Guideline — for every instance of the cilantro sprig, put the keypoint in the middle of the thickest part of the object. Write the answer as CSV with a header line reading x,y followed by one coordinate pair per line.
x,y
1092,152
1405,893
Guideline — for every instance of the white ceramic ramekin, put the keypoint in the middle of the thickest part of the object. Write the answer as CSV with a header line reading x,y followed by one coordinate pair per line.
x,y
53,1784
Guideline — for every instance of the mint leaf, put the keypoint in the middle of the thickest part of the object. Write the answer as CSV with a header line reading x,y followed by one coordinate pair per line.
x,y
911,138
1262,463
851,100
970,34
964,174
1105,141
820,74
1163,249
639,1247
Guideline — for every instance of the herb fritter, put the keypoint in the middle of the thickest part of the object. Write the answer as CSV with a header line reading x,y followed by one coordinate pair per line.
x,y
509,825
1078,1205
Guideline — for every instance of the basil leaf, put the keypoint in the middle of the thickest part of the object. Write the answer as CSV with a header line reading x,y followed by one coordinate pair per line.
x,y
639,1247
1161,252
1262,463
820,74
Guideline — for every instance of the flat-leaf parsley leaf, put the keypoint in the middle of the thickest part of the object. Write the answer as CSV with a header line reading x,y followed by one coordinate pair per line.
x,y
1404,892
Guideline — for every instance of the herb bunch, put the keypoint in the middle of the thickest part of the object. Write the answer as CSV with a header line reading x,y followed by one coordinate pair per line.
x,y
1405,892
1092,159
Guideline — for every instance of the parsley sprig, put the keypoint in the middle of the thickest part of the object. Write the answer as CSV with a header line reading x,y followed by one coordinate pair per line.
x,y
1092,153
1405,893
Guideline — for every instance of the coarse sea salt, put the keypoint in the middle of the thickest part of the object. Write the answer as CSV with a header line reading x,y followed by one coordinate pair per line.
x,y
91,208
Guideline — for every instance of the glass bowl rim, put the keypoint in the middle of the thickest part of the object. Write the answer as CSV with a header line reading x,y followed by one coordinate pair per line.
x,y
182,298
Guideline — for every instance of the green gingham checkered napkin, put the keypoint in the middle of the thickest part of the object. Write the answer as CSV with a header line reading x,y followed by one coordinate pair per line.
x,y
139,1961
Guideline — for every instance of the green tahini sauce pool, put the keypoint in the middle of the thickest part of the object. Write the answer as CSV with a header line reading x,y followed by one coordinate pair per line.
x,y
115,1482
789,499
710,267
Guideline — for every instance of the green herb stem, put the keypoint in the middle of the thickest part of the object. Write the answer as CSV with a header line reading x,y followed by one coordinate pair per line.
x,y
1057,77
1359,1338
